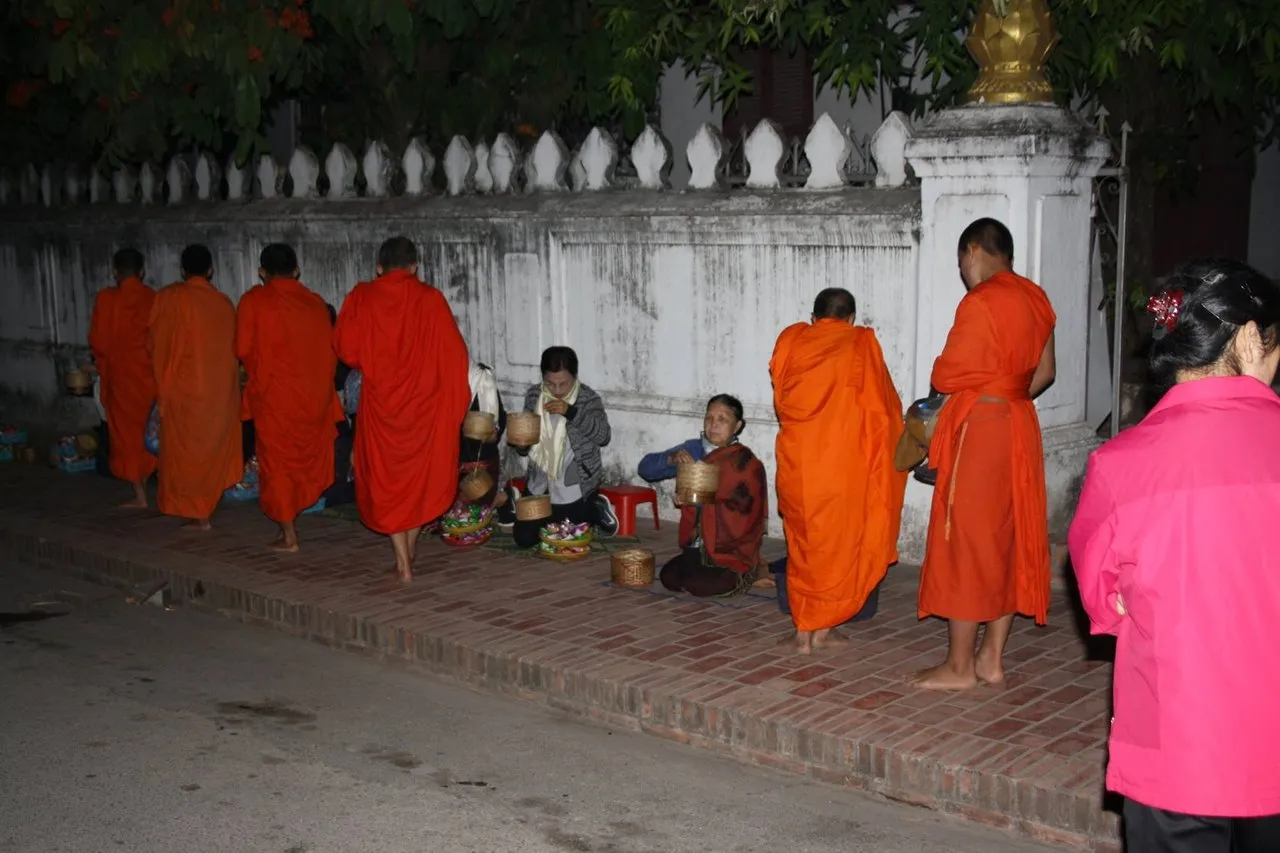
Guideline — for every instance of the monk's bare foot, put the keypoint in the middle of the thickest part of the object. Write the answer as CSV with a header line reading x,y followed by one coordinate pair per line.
x,y
404,574
198,524
800,642
942,677
283,546
830,638
989,669
139,496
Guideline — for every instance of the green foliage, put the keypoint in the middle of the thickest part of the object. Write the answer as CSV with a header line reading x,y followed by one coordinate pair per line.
x,y
131,79
471,68
1219,57
122,79
126,80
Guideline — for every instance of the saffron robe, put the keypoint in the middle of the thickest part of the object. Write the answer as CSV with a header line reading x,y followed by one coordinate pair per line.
x,y
733,527
192,339
838,492
987,553
284,339
118,339
400,334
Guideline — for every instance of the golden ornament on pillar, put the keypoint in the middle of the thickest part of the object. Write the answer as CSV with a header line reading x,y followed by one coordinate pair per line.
x,y
1012,40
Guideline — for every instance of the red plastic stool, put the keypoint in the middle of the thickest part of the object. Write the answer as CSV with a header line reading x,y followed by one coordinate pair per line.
x,y
625,499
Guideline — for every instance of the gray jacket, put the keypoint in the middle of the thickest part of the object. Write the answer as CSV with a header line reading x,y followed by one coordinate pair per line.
x,y
588,432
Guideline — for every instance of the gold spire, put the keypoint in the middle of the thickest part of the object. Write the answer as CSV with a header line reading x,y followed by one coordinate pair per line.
x,y
1012,40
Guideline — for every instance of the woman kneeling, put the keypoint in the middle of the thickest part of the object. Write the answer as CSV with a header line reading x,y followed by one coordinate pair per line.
x,y
720,543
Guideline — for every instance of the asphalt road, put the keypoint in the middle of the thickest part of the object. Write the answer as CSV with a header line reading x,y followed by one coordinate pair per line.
x,y
131,728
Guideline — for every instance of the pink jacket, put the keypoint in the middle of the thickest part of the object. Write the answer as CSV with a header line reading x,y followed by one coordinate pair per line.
x,y
1179,518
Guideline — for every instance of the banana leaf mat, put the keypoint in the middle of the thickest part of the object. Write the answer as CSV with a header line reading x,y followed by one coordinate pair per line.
x,y
346,512
753,597
502,540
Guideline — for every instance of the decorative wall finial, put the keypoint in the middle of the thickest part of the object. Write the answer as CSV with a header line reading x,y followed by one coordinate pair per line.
x,y
1012,40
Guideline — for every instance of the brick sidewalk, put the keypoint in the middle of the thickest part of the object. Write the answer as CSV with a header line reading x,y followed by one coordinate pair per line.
x,y
1027,758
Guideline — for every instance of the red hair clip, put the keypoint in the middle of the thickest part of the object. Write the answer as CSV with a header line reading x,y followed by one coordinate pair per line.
x,y
1164,307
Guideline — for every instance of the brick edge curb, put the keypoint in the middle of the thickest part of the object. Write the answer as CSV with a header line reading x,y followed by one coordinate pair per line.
x,y
1068,819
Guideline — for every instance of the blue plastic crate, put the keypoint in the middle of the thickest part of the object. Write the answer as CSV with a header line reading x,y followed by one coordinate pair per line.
x,y
241,494
8,439
318,506
78,466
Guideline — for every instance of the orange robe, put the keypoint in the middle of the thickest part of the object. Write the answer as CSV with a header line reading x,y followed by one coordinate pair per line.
x,y
987,553
285,341
400,334
838,492
118,338
192,337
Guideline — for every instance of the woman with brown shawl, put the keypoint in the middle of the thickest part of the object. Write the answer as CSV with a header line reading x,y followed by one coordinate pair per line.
x,y
720,543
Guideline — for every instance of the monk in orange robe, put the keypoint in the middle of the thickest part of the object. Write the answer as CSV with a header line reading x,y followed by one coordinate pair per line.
x,y
118,339
285,341
400,334
987,554
192,338
839,495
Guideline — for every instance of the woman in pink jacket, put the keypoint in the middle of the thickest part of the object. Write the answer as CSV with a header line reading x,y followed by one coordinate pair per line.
x,y
1175,548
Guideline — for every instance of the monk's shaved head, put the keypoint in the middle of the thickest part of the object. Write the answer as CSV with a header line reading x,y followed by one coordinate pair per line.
x,y
128,263
278,261
834,303
398,253
991,236
197,260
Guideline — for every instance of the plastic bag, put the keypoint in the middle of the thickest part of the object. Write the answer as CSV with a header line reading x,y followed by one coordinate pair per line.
x,y
351,392
151,438
247,488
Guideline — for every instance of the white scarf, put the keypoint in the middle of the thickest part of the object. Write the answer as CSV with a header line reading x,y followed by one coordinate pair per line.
x,y
548,453
484,388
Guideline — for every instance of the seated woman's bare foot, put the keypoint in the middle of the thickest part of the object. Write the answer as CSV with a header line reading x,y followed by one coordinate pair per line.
x,y
765,583
830,638
198,524
942,677
989,670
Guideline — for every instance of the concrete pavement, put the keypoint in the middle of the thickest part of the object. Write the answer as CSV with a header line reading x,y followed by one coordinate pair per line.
x,y
133,728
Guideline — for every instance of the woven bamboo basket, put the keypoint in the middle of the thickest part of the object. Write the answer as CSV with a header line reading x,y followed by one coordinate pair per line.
x,y
463,529
563,556
697,483
475,485
79,383
533,507
524,429
478,426
633,567
455,540
567,544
